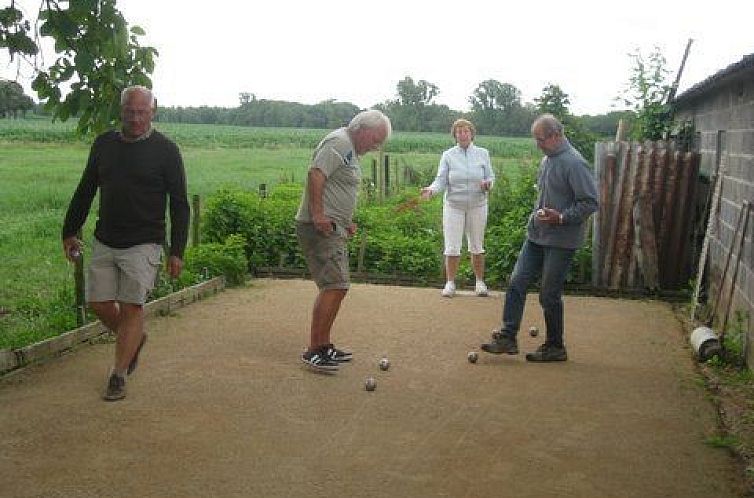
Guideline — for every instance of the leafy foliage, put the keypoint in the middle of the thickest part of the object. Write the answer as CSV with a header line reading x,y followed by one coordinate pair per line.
x,y
555,101
646,93
98,55
497,109
13,100
605,125
266,225
401,236
416,94
414,109
16,32
227,259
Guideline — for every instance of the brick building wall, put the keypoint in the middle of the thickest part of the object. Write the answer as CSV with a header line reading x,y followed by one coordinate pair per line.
x,y
721,110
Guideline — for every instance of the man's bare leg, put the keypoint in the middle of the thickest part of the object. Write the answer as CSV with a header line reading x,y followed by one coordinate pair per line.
x,y
325,310
108,312
130,332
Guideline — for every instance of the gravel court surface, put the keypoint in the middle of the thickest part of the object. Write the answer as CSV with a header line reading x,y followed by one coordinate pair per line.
x,y
222,406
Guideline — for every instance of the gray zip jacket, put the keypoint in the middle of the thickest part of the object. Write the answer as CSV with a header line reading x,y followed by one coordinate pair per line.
x,y
460,174
565,183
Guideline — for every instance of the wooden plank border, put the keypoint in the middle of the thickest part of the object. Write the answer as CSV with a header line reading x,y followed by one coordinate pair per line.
x,y
11,359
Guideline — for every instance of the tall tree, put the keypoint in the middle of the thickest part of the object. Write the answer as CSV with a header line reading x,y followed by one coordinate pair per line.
x,y
414,107
493,95
246,97
13,99
97,56
555,101
496,108
416,94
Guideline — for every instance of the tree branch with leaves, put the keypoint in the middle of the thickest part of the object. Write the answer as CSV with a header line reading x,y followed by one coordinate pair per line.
x,y
97,56
646,93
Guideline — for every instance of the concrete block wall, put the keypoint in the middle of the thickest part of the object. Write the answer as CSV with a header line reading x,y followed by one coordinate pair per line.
x,y
723,117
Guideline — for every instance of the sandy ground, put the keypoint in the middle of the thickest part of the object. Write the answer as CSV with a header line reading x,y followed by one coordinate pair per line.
x,y
221,406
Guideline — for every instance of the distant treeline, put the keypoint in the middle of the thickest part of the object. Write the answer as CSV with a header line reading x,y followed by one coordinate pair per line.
x,y
332,114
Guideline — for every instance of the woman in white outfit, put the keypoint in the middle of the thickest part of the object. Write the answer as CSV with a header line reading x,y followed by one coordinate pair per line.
x,y
465,175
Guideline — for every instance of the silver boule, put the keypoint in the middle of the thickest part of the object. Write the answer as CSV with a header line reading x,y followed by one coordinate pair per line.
x,y
384,364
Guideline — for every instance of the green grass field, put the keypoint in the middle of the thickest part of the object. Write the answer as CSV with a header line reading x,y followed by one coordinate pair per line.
x,y
41,162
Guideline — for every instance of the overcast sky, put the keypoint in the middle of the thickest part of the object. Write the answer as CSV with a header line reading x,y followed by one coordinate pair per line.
x,y
357,51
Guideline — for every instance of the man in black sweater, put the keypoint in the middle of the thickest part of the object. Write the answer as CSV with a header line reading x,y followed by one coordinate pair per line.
x,y
136,170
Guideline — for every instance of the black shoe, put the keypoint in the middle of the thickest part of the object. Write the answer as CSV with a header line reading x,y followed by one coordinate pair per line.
x,y
501,343
337,355
135,360
116,388
548,352
319,361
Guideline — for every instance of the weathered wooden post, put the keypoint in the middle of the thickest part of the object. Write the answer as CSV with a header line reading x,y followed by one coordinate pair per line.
x,y
620,132
195,222
362,252
377,179
263,190
386,163
380,173
396,177
78,276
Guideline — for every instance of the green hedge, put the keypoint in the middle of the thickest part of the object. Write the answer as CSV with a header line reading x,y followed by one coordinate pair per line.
x,y
404,235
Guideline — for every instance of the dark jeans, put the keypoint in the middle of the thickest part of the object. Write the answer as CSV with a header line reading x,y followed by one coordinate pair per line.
x,y
552,263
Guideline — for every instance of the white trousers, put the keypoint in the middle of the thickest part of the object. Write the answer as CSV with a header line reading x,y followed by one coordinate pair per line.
x,y
457,222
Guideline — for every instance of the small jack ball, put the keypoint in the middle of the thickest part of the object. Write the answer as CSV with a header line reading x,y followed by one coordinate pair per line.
x,y
370,384
384,364
533,331
472,357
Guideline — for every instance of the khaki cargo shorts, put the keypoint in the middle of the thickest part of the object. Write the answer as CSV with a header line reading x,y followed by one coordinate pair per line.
x,y
123,275
326,256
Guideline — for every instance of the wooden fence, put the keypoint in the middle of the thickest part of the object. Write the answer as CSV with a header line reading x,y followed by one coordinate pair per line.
x,y
641,237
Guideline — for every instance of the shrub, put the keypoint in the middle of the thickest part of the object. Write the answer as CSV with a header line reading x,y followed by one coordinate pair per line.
x,y
403,235
213,259
267,225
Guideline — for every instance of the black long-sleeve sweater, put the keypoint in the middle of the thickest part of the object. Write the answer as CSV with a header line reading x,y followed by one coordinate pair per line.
x,y
135,180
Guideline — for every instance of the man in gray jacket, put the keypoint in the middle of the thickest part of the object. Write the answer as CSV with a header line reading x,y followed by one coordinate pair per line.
x,y
567,196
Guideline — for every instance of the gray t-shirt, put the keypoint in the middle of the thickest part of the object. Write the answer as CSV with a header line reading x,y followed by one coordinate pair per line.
x,y
336,157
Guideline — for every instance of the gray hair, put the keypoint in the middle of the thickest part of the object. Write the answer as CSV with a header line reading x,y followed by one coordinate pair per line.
x,y
549,124
370,119
137,89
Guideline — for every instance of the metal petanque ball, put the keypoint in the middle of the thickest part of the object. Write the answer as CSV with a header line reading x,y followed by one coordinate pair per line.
x,y
370,384
384,364
472,357
533,331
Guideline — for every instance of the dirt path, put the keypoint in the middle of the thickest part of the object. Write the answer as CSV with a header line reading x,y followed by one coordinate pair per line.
x,y
220,406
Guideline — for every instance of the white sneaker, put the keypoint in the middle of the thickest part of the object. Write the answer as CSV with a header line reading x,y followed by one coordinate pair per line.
x,y
481,289
449,290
